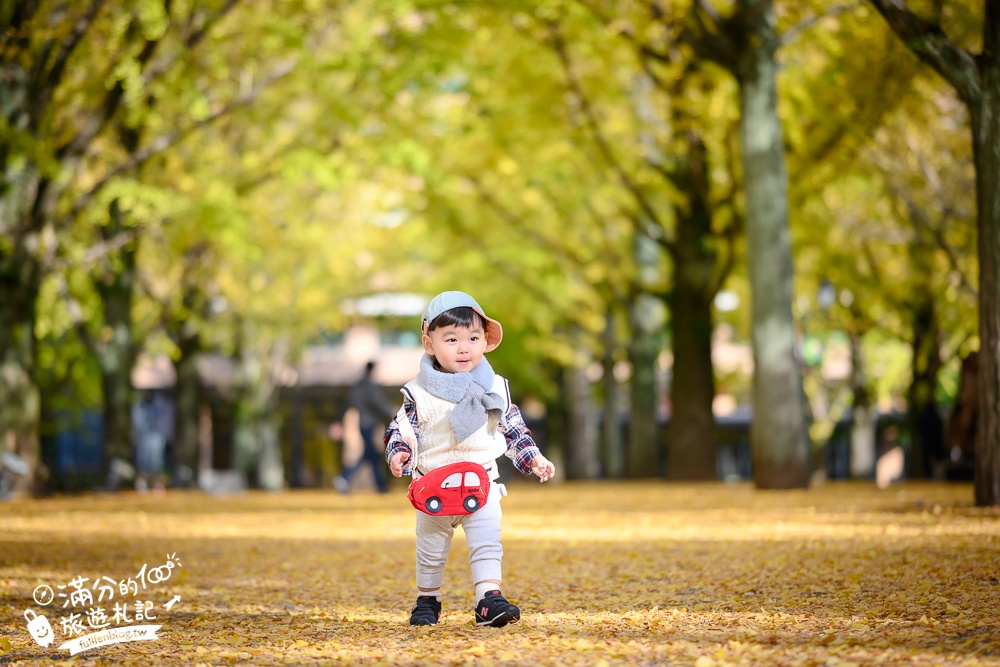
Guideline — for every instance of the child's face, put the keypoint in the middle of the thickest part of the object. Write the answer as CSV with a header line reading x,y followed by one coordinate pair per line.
x,y
457,349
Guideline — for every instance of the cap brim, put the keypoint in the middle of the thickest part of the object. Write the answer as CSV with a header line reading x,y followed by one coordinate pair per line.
x,y
494,333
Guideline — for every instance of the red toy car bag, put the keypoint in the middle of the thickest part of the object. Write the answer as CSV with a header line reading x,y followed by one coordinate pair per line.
x,y
451,490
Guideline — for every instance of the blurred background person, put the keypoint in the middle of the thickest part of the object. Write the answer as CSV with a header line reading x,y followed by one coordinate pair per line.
x,y
149,417
373,410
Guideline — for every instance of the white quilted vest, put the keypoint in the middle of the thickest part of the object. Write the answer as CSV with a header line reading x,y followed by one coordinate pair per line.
x,y
437,445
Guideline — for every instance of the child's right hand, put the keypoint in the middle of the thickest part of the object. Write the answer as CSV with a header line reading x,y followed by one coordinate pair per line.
x,y
542,467
396,463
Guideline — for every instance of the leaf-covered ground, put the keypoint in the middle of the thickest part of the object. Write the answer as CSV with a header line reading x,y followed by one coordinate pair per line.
x,y
605,574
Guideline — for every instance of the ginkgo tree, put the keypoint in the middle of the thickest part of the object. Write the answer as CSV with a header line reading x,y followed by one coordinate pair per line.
x,y
76,74
840,154
261,259
605,153
99,92
897,258
945,40
452,140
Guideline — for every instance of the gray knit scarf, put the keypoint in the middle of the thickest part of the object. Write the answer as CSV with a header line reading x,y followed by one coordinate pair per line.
x,y
472,392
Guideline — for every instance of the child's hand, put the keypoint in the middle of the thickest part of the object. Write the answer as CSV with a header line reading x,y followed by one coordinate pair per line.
x,y
542,467
396,463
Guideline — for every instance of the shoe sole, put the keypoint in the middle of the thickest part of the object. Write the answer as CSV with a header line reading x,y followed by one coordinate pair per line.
x,y
500,621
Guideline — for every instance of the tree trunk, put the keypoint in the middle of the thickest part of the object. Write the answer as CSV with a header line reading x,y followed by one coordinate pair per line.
x,y
117,352
778,437
986,149
614,446
925,425
270,470
581,444
960,430
297,476
257,417
20,282
187,396
117,390
863,416
644,443
691,442
19,396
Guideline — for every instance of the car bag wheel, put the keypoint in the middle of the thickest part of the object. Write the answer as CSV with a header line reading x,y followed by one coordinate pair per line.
x,y
433,505
471,504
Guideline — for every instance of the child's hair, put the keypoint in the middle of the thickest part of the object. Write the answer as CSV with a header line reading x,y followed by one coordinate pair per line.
x,y
463,316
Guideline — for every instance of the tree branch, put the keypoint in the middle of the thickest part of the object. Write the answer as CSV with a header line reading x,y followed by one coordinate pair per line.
x,y
991,31
895,304
506,268
100,119
614,260
76,316
736,225
922,223
928,41
80,28
96,252
796,30
139,157
531,231
628,35
590,120
191,40
710,35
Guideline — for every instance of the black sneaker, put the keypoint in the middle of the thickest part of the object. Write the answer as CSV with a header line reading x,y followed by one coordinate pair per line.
x,y
425,611
495,611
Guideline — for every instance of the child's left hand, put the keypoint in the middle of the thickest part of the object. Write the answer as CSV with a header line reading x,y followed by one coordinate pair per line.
x,y
542,467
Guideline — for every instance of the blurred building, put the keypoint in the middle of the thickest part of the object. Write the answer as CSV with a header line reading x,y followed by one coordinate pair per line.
x,y
311,395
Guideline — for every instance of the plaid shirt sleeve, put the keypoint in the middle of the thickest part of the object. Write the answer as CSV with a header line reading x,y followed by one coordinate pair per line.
x,y
521,447
394,441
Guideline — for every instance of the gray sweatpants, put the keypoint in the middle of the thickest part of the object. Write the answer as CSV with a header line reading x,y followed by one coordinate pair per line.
x,y
482,534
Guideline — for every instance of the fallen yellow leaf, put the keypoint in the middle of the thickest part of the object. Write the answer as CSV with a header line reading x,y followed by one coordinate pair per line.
x,y
720,575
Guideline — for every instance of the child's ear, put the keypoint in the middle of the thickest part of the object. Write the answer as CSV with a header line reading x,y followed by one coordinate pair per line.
x,y
428,346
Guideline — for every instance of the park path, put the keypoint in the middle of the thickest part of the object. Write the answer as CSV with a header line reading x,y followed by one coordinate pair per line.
x,y
605,573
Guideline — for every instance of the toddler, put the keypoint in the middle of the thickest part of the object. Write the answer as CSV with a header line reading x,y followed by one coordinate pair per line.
x,y
458,410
